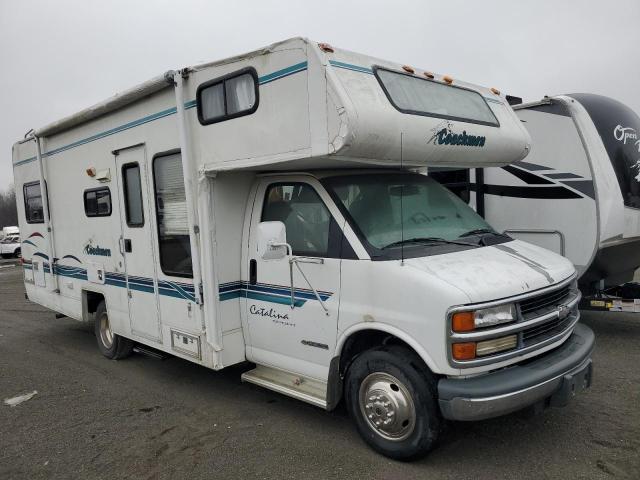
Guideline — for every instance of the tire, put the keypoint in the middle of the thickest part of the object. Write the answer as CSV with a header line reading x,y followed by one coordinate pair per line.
x,y
391,385
17,253
111,345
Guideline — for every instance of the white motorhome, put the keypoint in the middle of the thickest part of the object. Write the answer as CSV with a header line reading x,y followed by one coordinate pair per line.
x,y
9,232
263,208
577,193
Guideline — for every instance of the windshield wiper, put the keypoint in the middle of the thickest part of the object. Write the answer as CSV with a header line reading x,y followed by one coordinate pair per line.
x,y
427,240
478,231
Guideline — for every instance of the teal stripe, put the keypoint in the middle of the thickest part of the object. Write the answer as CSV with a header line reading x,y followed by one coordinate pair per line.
x,y
285,72
299,67
349,66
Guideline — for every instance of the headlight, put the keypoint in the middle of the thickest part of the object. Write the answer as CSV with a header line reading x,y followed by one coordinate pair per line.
x,y
485,317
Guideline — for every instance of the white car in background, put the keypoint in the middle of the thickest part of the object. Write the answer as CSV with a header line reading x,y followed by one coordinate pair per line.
x,y
10,247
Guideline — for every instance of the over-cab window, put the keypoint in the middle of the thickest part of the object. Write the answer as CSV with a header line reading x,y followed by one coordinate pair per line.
x,y
171,211
33,210
421,96
304,215
228,97
97,202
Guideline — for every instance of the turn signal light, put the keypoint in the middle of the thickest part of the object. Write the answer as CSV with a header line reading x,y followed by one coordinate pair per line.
x,y
463,322
464,351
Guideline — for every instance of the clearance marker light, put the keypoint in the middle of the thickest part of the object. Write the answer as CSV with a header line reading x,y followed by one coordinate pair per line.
x,y
448,79
429,75
495,90
325,47
407,68
91,171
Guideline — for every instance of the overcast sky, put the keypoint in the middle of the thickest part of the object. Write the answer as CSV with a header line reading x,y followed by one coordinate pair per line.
x,y
58,57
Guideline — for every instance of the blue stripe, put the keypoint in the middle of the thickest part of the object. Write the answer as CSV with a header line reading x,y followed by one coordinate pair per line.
x,y
285,72
349,66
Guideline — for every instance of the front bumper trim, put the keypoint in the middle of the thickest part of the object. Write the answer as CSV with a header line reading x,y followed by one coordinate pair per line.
x,y
557,375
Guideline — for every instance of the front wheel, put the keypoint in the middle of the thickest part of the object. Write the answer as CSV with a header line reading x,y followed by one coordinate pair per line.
x,y
391,396
17,253
111,345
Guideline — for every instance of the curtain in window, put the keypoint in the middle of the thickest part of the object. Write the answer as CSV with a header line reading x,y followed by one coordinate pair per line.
x,y
241,93
213,101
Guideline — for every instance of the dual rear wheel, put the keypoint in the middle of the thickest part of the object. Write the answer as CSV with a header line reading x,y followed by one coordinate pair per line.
x,y
111,345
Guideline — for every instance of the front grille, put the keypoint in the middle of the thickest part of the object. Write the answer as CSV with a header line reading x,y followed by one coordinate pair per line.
x,y
537,306
539,333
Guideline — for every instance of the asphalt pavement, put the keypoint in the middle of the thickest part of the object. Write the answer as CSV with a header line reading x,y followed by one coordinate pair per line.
x,y
146,418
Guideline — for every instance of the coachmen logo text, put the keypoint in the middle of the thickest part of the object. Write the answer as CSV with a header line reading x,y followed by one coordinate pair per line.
x,y
97,250
447,137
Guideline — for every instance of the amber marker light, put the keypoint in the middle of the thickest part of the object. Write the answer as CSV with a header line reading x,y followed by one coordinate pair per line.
x,y
448,79
407,68
429,75
464,351
325,47
495,90
463,322
91,171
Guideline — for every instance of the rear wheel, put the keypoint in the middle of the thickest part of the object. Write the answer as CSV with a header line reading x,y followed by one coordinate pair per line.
x,y
391,396
17,253
111,345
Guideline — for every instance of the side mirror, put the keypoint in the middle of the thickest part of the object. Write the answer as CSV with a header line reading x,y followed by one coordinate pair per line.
x,y
272,240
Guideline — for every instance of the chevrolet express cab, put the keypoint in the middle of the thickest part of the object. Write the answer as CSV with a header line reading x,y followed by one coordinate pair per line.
x,y
267,209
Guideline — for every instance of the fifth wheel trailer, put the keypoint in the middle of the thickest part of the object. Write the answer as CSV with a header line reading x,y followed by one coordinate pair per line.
x,y
264,208
577,193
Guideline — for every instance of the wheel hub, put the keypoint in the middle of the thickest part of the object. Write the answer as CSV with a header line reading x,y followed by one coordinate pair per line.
x,y
387,405
106,335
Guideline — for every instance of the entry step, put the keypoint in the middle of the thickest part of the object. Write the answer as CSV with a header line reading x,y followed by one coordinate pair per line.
x,y
296,386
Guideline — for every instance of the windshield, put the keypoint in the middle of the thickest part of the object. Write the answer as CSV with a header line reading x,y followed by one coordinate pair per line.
x,y
619,128
392,211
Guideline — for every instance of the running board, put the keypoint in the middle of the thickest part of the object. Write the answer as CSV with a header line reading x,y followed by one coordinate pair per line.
x,y
290,384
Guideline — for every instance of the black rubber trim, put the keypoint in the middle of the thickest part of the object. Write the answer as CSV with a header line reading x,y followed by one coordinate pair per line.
x,y
571,354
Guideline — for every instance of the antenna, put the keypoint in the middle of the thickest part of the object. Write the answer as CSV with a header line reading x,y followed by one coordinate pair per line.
x,y
401,208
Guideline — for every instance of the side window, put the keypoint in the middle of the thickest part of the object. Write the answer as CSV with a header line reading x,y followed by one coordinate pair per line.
x,y
171,211
228,97
132,195
97,202
303,213
33,203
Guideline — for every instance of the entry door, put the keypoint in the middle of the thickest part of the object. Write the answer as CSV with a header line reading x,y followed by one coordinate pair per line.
x,y
300,339
136,242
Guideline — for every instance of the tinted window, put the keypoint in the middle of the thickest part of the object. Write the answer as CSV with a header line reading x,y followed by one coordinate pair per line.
x,y
303,213
228,97
33,203
619,128
171,211
420,96
132,195
97,202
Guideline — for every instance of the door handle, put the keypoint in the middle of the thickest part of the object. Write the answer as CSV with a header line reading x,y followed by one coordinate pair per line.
x,y
253,272
127,245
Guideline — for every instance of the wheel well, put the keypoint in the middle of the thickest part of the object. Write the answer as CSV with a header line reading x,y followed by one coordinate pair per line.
x,y
90,302
365,340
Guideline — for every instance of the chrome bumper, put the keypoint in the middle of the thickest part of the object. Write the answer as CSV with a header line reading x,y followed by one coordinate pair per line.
x,y
556,376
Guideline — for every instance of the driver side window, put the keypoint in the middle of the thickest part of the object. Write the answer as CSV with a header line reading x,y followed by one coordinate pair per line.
x,y
304,215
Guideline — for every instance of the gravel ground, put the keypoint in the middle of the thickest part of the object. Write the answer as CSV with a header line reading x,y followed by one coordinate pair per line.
x,y
170,419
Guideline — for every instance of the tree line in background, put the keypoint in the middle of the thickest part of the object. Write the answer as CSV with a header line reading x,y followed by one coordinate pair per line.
x,y
8,210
